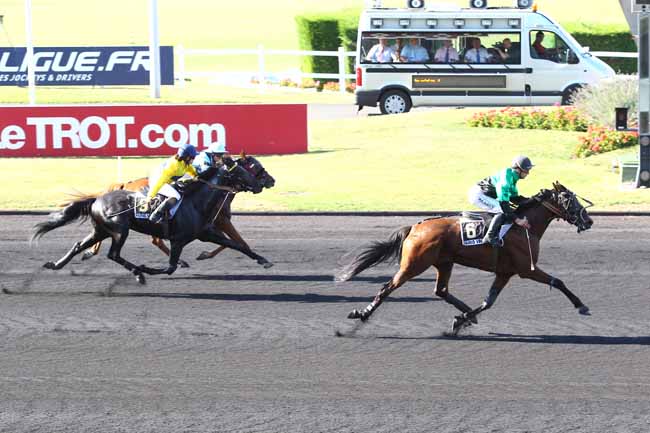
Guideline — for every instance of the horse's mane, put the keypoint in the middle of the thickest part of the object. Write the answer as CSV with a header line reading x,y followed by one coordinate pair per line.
x,y
534,201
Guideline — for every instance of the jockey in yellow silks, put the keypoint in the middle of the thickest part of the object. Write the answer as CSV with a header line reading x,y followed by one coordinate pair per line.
x,y
160,179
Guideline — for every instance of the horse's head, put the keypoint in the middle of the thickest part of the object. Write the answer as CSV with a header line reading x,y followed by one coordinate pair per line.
x,y
566,205
235,176
255,168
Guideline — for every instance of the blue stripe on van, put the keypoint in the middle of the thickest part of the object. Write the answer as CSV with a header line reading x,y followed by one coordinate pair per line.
x,y
465,93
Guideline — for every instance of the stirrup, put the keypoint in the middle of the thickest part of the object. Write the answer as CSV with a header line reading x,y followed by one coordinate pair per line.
x,y
493,242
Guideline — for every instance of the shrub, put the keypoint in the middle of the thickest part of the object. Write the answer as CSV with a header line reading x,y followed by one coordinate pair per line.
x,y
318,33
607,37
599,139
599,101
561,118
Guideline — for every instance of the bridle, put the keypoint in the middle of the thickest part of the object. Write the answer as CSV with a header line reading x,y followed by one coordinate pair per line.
x,y
249,167
561,208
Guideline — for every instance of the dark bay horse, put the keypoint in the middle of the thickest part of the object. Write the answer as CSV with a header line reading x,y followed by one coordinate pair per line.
x,y
437,242
112,216
222,220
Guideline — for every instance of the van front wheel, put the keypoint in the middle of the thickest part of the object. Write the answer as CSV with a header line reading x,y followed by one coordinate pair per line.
x,y
394,102
570,93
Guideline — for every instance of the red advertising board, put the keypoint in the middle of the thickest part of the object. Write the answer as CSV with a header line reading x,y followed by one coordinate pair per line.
x,y
150,130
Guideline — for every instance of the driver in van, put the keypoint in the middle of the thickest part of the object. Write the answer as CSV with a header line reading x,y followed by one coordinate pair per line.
x,y
477,54
414,52
381,52
539,49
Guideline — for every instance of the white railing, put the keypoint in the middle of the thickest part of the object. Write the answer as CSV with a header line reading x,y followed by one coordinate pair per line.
x,y
261,53
614,54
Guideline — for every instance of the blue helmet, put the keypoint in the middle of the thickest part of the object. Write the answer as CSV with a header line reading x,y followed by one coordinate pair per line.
x,y
186,151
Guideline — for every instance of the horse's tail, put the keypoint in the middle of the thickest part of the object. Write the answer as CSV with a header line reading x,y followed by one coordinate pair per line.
x,y
73,211
374,254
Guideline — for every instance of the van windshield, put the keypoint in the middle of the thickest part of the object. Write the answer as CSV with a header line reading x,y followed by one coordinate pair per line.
x,y
439,47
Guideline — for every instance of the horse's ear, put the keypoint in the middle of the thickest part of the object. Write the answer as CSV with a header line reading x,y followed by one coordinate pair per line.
x,y
242,154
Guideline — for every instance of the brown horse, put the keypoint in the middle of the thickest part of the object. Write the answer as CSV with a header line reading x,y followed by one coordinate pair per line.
x,y
222,221
437,242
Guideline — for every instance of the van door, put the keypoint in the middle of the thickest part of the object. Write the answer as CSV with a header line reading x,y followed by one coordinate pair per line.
x,y
554,65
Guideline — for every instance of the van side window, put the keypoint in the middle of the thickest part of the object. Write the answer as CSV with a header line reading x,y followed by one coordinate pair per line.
x,y
550,46
444,47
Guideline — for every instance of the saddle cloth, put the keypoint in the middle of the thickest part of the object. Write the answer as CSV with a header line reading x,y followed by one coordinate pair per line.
x,y
474,225
142,211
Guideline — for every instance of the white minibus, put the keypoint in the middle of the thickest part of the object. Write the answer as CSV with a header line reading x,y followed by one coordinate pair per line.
x,y
437,56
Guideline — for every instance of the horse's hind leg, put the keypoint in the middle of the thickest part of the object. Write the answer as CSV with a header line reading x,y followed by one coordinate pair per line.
x,y
114,254
410,267
92,251
442,288
78,247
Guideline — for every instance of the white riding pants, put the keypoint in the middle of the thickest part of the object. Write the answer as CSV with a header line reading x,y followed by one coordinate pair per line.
x,y
168,191
480,200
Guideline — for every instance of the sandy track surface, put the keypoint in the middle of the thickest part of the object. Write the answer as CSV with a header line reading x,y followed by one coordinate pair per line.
x,y
227,346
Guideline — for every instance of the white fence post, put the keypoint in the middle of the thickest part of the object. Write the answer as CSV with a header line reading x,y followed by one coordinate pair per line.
x,y
260,65
341,56
180,53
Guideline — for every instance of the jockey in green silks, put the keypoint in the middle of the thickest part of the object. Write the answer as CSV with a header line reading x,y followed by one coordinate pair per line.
x,y
494,194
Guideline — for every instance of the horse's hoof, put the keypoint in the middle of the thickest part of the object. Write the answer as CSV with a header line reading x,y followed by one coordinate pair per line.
x,y
268,265
183,264
459,323
584,310
204,256
140,278
355,314
49,265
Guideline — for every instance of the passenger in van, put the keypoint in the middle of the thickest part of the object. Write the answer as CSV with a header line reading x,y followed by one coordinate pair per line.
x,y
414,52
381,52
477,54
446,53
539,51
507,52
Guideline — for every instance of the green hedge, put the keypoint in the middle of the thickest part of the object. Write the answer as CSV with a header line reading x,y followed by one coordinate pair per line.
x,y
328,32
318,33
607,38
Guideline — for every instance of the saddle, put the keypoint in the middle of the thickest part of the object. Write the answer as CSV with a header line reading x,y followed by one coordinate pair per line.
x,y
474,225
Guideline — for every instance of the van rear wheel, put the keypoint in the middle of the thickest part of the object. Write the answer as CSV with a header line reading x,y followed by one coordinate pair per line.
x,y
394,102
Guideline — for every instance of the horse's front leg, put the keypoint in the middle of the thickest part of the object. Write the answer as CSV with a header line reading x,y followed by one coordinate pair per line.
x,y
542,277
162,247
224,225
498,284
211,235
174,256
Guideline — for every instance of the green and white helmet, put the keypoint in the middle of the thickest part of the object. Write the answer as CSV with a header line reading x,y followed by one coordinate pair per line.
x,y
522,162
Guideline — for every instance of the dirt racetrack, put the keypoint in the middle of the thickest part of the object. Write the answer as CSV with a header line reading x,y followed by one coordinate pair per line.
x,y
227,346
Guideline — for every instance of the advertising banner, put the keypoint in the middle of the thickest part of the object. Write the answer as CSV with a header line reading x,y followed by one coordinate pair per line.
x,y
150,130
84,66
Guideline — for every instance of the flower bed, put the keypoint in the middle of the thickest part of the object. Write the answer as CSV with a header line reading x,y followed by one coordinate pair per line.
x,y
561,118
599,139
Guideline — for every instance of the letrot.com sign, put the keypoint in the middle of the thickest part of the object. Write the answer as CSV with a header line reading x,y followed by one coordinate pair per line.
x,y
84,66
150,130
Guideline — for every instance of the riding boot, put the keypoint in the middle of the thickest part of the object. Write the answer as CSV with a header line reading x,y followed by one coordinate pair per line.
x,y
162,210
492,235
